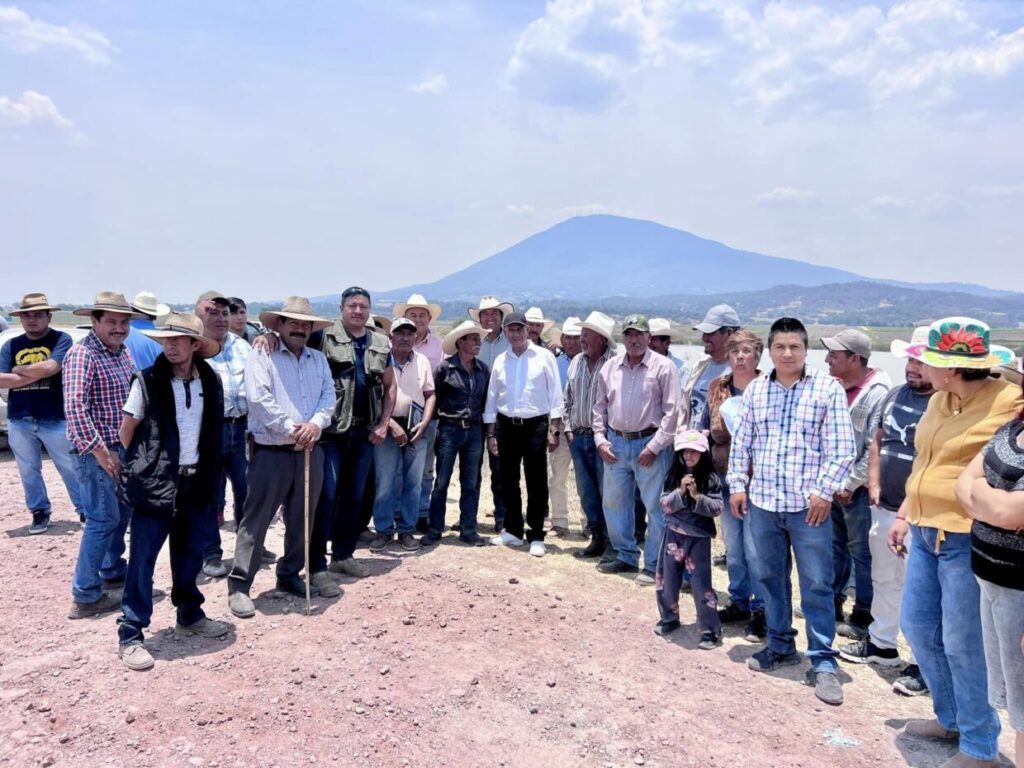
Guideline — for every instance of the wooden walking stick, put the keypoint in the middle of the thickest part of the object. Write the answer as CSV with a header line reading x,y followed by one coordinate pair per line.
x,y
309,603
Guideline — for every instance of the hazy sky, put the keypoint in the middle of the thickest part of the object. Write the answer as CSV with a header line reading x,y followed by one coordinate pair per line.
x,y
268,148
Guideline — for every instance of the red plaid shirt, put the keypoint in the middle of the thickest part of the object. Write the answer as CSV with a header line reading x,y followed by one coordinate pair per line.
x,y
96,383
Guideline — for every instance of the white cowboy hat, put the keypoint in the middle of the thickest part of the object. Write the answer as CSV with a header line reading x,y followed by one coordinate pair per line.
x,y
536,315
600,323
145,302
489,302
898,347
108,301
571,327
416,301
188,325
463,329
660,326
295,308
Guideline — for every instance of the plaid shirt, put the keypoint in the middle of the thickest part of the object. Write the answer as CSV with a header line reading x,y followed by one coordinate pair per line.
x,y
230,366
796,441
96,383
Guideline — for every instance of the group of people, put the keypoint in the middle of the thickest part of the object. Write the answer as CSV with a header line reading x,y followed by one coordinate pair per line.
x,y
905,494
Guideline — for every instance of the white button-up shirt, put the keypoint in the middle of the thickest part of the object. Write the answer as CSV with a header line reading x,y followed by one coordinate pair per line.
x,y
524,386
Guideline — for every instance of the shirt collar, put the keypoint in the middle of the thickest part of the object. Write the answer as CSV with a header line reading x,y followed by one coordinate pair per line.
x,y
644,361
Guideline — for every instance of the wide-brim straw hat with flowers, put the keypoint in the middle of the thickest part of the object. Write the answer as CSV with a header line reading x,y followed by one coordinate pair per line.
x,y
188,325
295,308
108,301
34,302
417,301
960,342
536,315
489,302
601,324
465,328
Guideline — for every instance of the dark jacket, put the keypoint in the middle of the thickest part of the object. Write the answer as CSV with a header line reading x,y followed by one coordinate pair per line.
x,y
461,394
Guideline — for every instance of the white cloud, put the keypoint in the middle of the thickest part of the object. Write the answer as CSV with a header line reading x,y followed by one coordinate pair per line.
x,y
594,209
996,190
889,203
21,33
521,210
434,85
786,196
32,108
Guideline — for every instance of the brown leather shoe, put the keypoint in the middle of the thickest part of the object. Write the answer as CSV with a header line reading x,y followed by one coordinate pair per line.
x,y
960,760
930,729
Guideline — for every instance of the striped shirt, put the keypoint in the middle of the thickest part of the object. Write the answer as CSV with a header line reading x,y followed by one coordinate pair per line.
x,y
229,365
581,391
283,391
798,441
96,383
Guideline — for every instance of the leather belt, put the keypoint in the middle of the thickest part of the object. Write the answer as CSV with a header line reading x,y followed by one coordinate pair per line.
x,y
634,435
236,419
519,420
581,431
277,448
461,423
188,470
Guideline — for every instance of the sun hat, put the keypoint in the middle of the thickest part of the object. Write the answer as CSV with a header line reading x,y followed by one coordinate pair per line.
x,y
489,302
417,301
636,323
513,318
660,326
849,340
108,301
465,328
402,322
960,342
383,322
34,302
536,315
215,296
295,308
691,438
719,316
188,325
898,347
601,324
571,327
145,302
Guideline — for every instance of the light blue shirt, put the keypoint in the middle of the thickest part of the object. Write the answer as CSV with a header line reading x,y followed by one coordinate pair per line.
x,y
144,349
284,390
230,366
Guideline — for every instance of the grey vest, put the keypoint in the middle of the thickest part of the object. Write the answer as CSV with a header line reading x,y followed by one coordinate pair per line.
x,y
341,357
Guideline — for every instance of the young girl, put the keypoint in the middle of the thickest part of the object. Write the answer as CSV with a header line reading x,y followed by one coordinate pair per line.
x,y
691,501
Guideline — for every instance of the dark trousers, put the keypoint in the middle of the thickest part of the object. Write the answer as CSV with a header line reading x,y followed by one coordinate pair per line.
x,y
339,513
467,445
851,552
690,555
524,445
276,478
494,464
187,529
233,466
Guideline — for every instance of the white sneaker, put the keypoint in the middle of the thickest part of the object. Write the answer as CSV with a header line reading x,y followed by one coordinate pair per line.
x,y
537,549
506,539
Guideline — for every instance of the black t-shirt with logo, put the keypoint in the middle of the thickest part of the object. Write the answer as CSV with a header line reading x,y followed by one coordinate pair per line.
x,y
43,399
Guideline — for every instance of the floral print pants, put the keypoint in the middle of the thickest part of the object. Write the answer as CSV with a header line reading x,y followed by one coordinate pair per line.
x,y
690,555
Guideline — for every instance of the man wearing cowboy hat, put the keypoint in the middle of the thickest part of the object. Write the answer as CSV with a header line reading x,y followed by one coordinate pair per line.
x,y
291,395
97,374
461,389
30,367
171,431
489,315
561,458
537,325
598,347
661,342
144,349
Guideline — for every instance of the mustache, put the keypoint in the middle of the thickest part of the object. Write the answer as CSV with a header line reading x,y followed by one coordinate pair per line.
x,y
298,334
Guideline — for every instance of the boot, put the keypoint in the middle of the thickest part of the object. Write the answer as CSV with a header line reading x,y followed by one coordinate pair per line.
x,y
596,547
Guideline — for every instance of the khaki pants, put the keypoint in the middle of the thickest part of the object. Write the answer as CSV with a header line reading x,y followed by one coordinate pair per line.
x,y
558,479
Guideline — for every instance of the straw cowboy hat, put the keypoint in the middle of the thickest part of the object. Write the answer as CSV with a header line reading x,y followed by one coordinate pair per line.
x,y
898,347
601,324
145,302
416,301
108,301
34,302
465,328
295,308
489,302
536,315
188,325
383,322
571,327
960,342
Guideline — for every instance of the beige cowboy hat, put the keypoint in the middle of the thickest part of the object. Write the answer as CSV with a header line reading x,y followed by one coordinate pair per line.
x,y
295,308
571,327
660,326
465,328
34,302
600,323
383,322
536,315
108,301
898,347
417,301
489,302
188,325
145,302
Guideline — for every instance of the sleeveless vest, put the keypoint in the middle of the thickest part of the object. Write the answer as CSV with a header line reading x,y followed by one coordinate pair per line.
x,y
341,357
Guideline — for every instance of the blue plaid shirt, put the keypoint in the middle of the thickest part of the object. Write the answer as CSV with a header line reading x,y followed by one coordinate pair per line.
x,y
230,366
791,442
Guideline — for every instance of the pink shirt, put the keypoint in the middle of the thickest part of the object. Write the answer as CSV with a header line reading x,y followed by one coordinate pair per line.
x,y
635,398
431,349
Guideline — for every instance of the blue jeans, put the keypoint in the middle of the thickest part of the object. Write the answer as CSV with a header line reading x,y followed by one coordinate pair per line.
x,y
101,550
466,444
589,477
233,467
27,438
851,524
347,462
739,558
620,480
773,533
941,619
399,483
426,444
187,531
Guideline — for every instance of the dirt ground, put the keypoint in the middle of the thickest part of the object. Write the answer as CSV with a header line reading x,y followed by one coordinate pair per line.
x,y
450,657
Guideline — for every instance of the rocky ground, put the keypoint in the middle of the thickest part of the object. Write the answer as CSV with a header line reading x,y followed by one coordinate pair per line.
x,y
450,657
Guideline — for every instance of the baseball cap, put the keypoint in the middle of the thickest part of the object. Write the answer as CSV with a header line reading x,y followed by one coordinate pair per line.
x,y
215,296
513,318
719,316
402,322
636,323
849,340
691,438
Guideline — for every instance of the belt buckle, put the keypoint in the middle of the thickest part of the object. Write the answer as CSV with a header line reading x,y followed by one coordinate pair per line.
x,y
517,420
